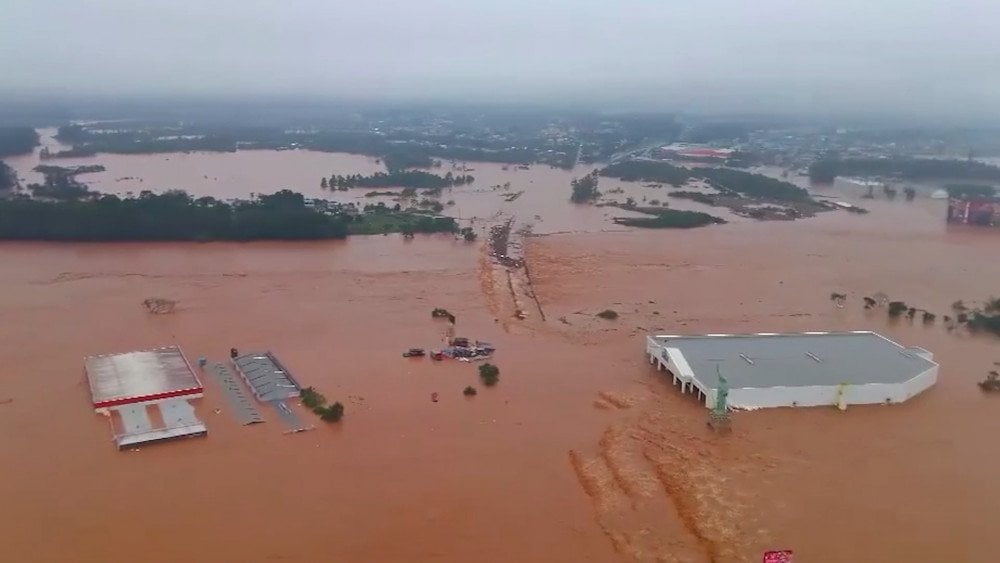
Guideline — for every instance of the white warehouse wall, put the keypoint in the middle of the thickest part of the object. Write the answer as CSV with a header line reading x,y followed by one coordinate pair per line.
x,y
820,395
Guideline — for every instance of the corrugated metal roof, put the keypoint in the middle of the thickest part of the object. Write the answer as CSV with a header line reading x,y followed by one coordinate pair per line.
x,y
269,379
792,360
137,376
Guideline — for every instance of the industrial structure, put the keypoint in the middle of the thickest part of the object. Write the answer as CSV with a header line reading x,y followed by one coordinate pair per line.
x,y
125,386
267,377
981,211
691,153
796,369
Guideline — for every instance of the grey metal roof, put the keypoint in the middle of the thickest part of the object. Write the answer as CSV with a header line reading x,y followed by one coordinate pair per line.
x,y
772,360
119,378
246,411
269,379
179,420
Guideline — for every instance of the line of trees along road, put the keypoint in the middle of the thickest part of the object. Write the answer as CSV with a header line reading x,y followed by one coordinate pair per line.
x,y
398,179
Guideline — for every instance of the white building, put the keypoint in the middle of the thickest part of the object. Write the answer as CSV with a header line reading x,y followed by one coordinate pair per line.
x,y
800,369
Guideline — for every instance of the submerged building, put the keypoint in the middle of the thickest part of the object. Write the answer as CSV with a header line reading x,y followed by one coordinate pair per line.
x,y
796,369
125,386
267,377
981,211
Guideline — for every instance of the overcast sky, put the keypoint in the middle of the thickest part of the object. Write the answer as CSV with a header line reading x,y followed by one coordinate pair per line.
x,y
797,56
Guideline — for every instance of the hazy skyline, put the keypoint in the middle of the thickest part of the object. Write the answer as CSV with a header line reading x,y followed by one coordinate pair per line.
x,y
939,59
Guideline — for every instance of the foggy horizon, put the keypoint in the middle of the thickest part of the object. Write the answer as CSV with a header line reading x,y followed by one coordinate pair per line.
x,y
936,61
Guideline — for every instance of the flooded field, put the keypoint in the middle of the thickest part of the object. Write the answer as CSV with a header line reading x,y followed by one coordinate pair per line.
x,y
542,203
581,453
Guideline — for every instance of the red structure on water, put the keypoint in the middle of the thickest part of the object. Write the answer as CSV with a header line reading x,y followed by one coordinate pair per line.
x,y
974,211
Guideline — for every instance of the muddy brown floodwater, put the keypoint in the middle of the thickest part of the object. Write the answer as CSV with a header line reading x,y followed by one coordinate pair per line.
x,y
581,453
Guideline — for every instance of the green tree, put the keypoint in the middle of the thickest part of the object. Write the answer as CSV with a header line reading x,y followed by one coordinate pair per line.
x,y
490,374
584,189
333,413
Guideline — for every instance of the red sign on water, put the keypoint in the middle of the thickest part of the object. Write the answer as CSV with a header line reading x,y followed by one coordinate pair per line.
x,y
782,556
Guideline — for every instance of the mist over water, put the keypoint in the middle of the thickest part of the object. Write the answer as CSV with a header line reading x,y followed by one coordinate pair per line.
x,y
818,58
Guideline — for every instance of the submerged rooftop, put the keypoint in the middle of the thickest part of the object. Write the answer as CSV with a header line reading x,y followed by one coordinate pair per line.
x,y
145,375
796,360
267,377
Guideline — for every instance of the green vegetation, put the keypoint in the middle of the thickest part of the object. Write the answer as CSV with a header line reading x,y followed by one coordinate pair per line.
x,y
61,183
8,178
970,191
700,197
469,391
468,234
826,170
986,319
399,179
48,169
315,401
725,180
755,186
402,158
648,171
665,218
17,140
992,382
584,189
170,216
897,308
312,398
490,374
608,314
380,220
331,413
60,187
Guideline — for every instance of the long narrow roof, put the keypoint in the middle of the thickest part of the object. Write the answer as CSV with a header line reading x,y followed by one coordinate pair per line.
x,y
802,359
138,376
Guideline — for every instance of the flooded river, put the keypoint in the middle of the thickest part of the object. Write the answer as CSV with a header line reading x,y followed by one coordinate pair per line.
x,y
581,453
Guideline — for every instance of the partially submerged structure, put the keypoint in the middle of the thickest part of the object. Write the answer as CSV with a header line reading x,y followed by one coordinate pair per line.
x,y
799,369
981,211
267,377
125,386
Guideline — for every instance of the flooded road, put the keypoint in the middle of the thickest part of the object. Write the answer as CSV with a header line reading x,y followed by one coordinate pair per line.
x,y
581,453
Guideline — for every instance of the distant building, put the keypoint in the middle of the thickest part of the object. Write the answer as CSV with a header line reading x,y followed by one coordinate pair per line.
x,y
982,211
692,153
794,370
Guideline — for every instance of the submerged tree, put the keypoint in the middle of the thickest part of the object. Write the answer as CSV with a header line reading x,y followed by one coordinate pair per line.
x,y
897,308
332,413
490,374
584,189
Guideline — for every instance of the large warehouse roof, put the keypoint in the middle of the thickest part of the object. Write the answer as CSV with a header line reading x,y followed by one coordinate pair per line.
x,y
792,360
117,379
267,377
